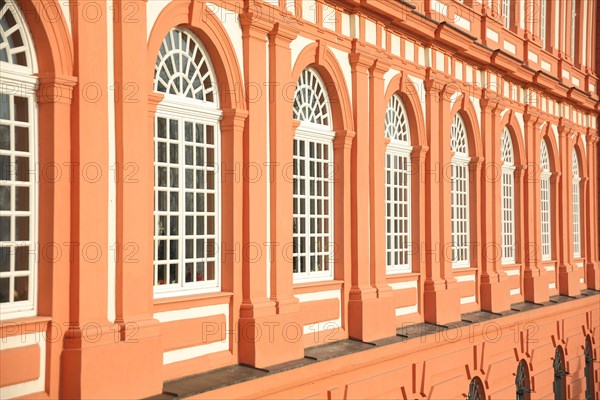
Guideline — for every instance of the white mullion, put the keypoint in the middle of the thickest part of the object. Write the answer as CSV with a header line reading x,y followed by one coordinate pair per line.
x,y
182,211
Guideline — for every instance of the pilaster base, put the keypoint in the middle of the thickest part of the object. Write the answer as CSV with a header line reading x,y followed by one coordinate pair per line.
x,y
372,318
495,296
270,340
592,271
131,362
442,305
536,286
568,281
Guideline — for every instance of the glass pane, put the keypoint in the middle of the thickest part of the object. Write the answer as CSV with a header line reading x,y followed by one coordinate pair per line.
x,y
22,258
4,290
4,106
21,228
162,128
5,259
4,137
21,288
4,197
21,109
4,229
21,198
22,169
5,168
21,138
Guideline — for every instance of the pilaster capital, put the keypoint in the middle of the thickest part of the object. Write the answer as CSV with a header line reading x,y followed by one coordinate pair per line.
x,y
360,59
343,139
283,34
153,100
532,117
54,88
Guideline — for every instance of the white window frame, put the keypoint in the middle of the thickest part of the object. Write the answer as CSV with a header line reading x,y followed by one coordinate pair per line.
x,y
399,147
576,208
21,81
403,151
311,132
460,161
543,19
508,225
545,204
506,13
307,133
186,109
573,30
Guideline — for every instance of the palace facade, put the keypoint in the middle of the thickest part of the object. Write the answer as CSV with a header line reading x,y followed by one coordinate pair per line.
x,y
290,199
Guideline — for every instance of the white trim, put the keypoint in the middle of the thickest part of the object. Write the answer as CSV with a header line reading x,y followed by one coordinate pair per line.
x,y
465,278
467,300
324,295
25,388
17,75
188,353
111,309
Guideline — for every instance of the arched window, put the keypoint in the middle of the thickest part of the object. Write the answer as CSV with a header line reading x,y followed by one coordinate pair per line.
x,y
576,208
560,373
313,183
187,216
545,175
476,390
589,369
460,193
508,198
522,382
18,166
397,169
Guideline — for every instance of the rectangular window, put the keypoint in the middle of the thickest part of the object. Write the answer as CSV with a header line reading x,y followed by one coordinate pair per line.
x,y
186,202
543,28
573,25
398,226
460,214
576,220
545,217
18,206
508,217
506,13
313,209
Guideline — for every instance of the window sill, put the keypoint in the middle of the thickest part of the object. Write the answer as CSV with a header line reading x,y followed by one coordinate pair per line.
x,y
17,326
511,266
402,276
319,286
194,300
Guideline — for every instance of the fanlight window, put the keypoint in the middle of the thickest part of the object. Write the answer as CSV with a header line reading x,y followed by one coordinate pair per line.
x,y
460,193
14,38
476,390
396,121
313,181
186,177
398,192
184,69
507,147
545,202
560,373
311,103
576,208
458,136
508,198
18,166
522,381
544,158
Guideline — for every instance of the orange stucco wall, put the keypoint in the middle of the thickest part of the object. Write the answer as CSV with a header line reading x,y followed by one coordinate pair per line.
x,y
100,332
